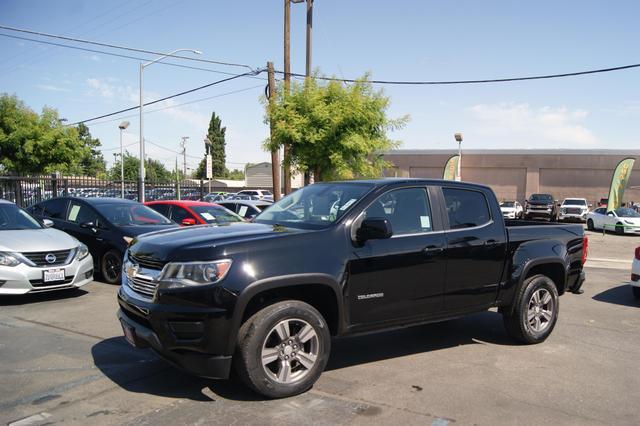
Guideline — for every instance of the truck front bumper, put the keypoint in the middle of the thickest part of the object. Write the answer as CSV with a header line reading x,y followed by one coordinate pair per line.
x,y
191,338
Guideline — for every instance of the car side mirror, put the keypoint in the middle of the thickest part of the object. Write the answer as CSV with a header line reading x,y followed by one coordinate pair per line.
x,y
188,221
374,228
590,205
610,214
48,223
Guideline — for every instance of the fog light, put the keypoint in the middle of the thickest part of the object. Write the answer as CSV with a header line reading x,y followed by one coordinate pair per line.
x,y
88,274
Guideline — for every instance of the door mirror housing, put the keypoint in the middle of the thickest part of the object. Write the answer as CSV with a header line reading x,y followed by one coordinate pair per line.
x,y
189,221
374,228
48,223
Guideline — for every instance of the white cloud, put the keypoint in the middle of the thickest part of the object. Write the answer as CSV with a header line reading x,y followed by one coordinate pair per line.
x,y
545,127
52,88
104,88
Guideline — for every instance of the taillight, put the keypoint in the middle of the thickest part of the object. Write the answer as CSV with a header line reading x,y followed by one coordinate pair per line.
x,y
585,249
638,253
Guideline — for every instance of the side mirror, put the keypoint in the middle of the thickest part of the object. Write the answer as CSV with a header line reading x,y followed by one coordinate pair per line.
x,y
188,221
374,228
590,205
48,223
610,214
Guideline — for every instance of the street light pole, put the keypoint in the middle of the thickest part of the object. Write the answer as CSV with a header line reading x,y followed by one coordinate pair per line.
x,y
309,28
122,126
458,137
142,67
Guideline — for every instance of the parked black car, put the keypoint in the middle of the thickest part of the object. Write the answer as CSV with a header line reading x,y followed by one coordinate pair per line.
x,y
105,225
335,259
542,206
245,208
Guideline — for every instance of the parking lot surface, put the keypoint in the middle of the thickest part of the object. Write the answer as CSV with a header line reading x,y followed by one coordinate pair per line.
x,y
64,361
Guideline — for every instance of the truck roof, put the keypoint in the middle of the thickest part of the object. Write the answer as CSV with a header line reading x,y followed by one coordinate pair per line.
x,y
396,180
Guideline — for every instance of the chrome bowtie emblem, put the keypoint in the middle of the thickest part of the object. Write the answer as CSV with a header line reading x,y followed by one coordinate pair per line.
x,y
50,258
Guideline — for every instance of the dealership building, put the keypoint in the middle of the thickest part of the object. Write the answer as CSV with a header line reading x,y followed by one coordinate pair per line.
x,y
516,174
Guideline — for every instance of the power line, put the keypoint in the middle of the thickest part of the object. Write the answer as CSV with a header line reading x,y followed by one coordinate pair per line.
x,y
493,80
115,46
136,58
179,105
170,96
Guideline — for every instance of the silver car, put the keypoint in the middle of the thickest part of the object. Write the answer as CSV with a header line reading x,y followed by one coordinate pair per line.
x,y
36,258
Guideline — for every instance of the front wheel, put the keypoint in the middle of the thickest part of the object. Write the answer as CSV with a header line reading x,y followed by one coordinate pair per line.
x,y
619,228
111,266
283,349
535,312
590,226
636,292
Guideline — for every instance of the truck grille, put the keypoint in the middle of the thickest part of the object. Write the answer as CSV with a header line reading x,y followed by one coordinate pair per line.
x,y
573,210
60,257
147,262
142,286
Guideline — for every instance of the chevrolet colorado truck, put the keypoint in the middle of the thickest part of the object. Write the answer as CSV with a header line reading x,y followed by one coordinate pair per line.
x,y
338,259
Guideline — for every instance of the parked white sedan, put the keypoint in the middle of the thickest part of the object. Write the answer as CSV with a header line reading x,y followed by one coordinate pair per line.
x,y
36,258
623,220
511,209
635,274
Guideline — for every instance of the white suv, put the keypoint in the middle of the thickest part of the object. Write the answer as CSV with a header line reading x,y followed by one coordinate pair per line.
x,y
262,194
573,209
36,258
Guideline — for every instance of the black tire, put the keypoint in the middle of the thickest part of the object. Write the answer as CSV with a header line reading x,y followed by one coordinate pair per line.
x,y
619,228
259,332
111,267
590,226
636,292
518,325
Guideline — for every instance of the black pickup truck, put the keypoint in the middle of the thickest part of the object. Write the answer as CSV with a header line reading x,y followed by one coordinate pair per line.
x,y
337,259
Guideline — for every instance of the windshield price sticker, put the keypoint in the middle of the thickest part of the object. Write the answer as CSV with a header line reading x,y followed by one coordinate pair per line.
x,y
207,216
425,222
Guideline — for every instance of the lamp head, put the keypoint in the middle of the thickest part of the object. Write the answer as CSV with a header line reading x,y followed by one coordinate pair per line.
x,y
123,125
458,137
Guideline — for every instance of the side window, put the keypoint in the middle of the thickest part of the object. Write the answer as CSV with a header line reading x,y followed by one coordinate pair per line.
x,y
600,210
407,210
231,206
81,213
466,208
54,209
178,214
163,209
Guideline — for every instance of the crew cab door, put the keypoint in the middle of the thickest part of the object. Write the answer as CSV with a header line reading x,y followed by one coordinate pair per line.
x,y
475,248
402,276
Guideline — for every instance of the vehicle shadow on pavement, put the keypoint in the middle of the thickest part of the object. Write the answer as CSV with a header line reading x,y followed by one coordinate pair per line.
x,y
473,329
620,295
25,299
141,371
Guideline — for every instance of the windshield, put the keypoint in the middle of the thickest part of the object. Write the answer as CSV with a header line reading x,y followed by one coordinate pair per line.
x,y
507,204
13,218
627,212
541,197
315,206
216,214
132,214
574,202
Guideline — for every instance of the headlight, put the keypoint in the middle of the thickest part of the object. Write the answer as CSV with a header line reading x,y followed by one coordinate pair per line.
x,y
177,275
127,240
629,222
7,259
82,251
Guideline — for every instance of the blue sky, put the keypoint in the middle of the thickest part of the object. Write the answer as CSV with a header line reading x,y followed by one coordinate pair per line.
x,y
410,40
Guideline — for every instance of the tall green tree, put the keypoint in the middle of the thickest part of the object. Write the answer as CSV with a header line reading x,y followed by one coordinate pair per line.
x,y
154,170
37,143
92,163
216,134
335,130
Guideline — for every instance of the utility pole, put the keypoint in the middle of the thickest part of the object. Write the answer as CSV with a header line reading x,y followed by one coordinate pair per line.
x,y
275,154
183,144
309,28
287,87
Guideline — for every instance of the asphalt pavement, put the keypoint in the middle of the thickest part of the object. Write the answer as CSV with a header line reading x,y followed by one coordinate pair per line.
x,y
64,361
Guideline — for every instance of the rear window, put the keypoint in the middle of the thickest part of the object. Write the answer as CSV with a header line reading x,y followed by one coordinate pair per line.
x,y
466,208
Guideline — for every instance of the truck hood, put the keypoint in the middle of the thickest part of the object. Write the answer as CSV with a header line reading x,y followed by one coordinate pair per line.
x,y
508,209
165,245
29,240
540,203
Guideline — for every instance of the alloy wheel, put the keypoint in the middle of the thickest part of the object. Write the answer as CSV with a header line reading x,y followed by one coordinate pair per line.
x,y
541,310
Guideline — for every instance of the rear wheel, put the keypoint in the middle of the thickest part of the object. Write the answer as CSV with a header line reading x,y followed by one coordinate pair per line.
x,y
535,312
636,292
283,349
590,226
111,266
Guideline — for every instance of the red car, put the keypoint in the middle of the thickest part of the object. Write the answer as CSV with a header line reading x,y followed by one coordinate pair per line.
x,y
186,213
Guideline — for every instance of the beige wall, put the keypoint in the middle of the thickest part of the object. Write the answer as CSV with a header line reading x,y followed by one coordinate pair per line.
x,y
519,173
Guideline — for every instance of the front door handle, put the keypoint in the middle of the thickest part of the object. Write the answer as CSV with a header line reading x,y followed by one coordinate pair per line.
x,y
433,249
491,242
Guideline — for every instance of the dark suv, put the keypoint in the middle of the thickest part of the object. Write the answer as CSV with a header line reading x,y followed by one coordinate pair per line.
x,y
541,206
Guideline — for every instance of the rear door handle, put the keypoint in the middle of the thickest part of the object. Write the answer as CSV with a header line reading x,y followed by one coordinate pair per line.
x,y
491,242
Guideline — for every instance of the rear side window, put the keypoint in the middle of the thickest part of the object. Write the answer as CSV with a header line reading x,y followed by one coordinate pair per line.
x,y
55,209
163,209
466,208
81,213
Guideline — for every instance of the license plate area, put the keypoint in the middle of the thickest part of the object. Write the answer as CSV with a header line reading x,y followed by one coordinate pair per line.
x,y
53,275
